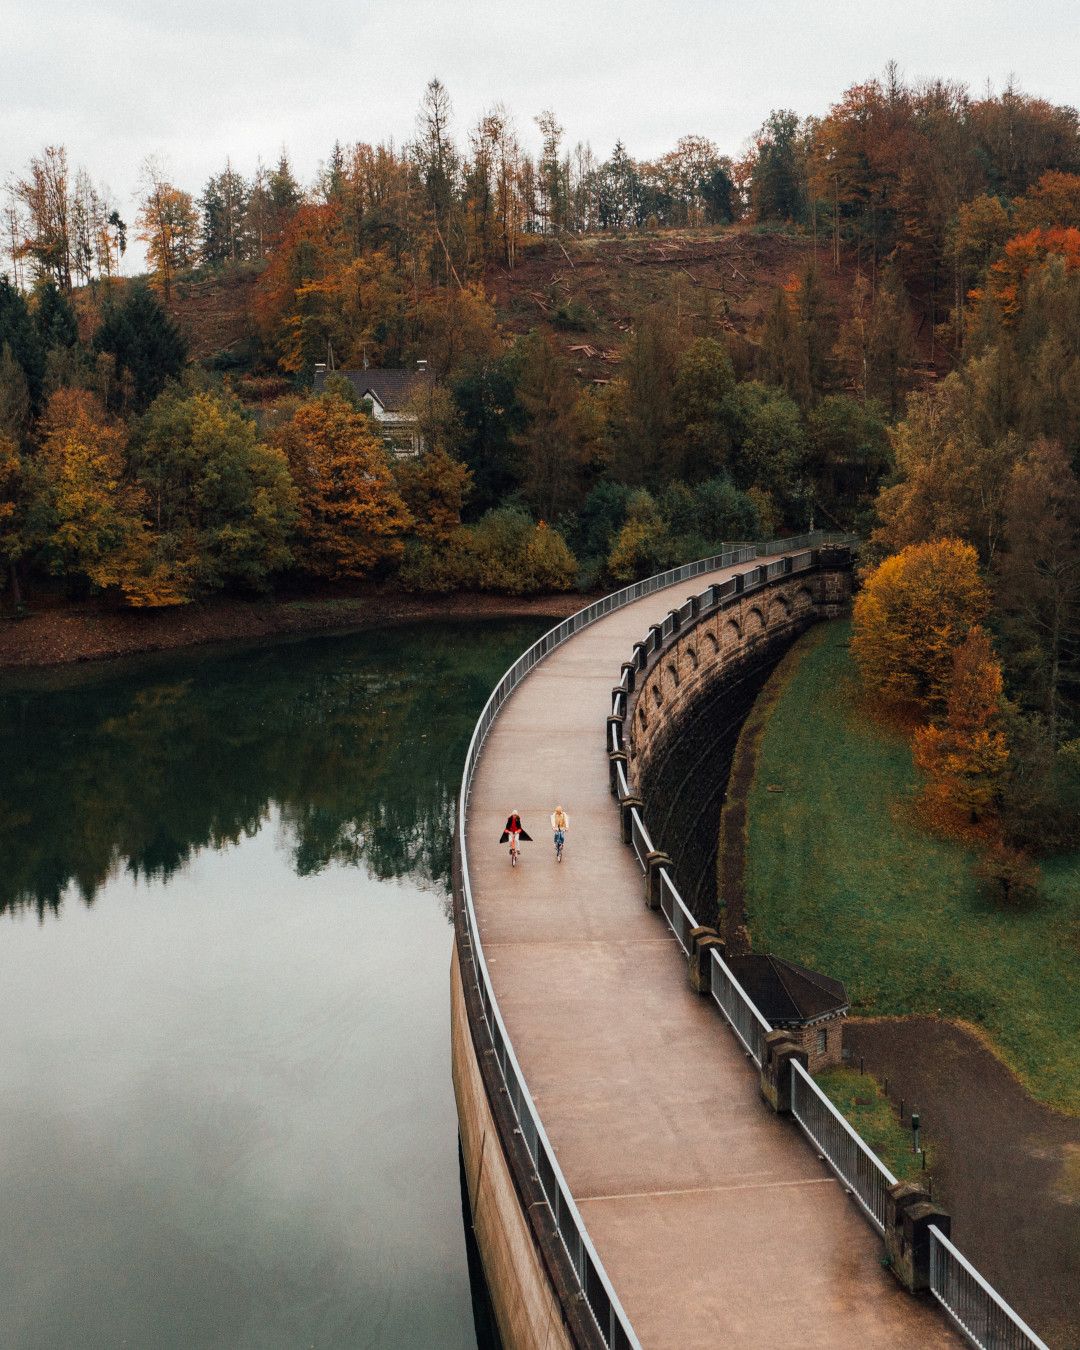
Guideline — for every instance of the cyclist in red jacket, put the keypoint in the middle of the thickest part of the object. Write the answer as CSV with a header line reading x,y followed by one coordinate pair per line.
x,y
515,832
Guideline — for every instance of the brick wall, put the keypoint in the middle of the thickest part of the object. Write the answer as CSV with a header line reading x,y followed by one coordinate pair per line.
x,y
809,1039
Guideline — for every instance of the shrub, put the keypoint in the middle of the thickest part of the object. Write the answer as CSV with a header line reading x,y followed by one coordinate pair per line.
x,y
642,544
1009,875
505,552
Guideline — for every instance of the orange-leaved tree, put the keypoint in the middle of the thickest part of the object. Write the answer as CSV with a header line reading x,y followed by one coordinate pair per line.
x,y
168,225
434,487
351,514
1023,255
964,757
910,615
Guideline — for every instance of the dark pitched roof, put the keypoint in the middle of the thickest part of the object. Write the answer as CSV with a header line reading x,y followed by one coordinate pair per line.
x,y
787,993
393,386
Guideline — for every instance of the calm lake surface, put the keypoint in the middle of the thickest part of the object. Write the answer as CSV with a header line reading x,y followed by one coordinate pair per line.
x,y
226,1115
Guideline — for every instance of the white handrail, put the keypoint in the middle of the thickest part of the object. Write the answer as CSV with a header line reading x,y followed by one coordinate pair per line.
x,y
984,1337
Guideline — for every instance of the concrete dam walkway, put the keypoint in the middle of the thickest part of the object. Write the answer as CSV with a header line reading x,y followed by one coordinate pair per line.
x,y
715,1221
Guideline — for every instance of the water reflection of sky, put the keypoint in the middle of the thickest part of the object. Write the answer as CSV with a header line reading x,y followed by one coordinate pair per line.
x,y
227,1117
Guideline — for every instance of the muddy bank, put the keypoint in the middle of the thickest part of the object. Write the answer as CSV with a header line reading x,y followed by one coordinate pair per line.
x,y
63,635
1005,1167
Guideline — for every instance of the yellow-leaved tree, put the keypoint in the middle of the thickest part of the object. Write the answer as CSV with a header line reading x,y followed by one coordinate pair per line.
x,y
912,612
93,515
351,513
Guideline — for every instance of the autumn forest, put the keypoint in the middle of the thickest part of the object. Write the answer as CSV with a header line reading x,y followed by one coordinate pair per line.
x,y
868,320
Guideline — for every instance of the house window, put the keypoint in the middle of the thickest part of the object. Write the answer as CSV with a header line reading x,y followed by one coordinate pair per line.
x,y
822,1041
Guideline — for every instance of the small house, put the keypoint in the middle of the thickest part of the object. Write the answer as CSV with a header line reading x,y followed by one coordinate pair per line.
x,y
811,1007
390,394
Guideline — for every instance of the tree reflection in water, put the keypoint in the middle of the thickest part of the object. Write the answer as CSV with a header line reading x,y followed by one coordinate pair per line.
x,y
357,741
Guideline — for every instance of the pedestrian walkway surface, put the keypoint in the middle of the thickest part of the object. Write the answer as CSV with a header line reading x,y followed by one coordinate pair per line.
x,y
716,1222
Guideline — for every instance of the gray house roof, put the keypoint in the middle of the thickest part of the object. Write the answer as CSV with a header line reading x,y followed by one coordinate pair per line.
x,y
393,386
785,993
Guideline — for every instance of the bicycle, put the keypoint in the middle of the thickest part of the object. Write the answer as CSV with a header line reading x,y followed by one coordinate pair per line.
x,y
560,840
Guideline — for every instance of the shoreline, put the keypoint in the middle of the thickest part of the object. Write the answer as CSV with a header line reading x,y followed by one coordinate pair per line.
x,y
57,637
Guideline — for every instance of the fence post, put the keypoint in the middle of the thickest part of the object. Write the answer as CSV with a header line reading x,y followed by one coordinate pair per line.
x,y
616,721
776,1072
654,861
656,636
615,758
676,622
629,670
702,940
909,1212
641,655
626,804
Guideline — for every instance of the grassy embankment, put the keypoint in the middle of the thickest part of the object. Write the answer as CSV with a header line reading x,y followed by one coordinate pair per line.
x,y
839,877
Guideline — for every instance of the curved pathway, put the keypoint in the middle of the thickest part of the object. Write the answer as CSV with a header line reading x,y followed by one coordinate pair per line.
x,y
715,1221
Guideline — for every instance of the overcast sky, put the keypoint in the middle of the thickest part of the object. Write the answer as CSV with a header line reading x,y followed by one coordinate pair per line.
x,y
193,81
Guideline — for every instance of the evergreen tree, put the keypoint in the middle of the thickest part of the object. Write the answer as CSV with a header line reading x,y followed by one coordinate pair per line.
x,y
718,193
144,341
224,206
778,181
17,330
785,358
14,398
55,319
548,393
704,378
817,322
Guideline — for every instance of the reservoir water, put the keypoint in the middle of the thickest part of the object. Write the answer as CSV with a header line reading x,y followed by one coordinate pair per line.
x,y
226,1116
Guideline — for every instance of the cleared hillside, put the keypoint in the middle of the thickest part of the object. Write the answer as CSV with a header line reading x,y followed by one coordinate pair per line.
x,y
586,290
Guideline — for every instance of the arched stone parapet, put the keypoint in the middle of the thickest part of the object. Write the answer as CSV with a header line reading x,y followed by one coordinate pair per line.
x,y
688,708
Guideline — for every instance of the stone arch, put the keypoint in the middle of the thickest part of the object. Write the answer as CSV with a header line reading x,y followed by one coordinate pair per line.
x,y
658,697
713,645
755,623
673,671
691,657
804,600
780,610
643,721
732,635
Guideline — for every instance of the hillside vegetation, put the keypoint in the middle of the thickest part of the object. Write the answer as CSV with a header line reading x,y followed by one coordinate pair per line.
x,y
842,877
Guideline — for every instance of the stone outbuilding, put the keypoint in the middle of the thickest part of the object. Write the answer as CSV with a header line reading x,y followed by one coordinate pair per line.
x,y
809,1006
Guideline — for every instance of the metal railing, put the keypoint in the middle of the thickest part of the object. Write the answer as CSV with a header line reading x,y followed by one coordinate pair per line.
x,y
817,539
639,836
860,1169
739,1009
674,910
977,1309
593,1281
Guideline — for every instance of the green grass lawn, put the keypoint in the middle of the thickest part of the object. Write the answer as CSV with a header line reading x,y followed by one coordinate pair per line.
x,y
839,877
859,1097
